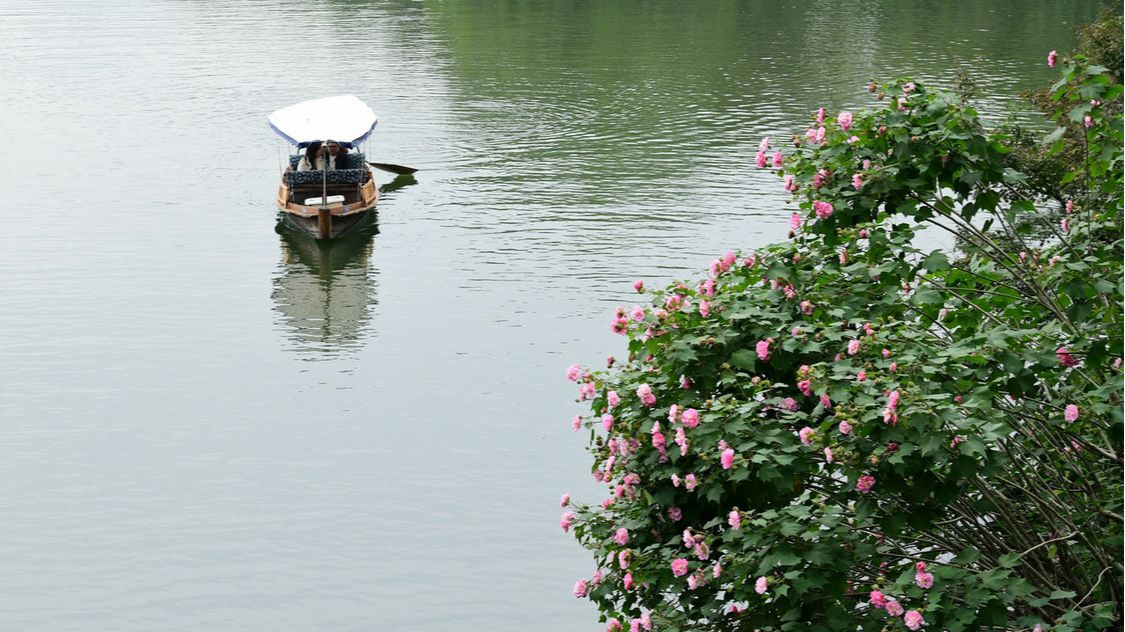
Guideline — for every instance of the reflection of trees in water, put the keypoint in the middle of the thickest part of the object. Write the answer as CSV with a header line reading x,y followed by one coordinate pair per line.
x,y
325,290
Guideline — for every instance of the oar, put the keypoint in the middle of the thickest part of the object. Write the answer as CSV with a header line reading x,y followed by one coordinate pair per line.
x,y
399,169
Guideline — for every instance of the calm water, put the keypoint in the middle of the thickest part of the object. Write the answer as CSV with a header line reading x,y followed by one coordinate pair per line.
x,y
208,425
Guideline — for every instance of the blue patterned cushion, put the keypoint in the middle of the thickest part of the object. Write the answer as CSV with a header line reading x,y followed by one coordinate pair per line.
x,y
339,176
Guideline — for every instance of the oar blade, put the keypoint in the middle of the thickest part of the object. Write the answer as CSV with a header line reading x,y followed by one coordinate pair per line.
x,y
399,169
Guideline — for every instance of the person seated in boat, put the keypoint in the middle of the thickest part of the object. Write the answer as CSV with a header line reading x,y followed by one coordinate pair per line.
x,y
323,156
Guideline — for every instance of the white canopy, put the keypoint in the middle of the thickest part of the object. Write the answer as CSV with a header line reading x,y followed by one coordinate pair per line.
x,y
344,119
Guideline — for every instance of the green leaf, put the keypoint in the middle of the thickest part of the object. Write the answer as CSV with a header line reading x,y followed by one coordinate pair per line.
x,y
936,261
744,359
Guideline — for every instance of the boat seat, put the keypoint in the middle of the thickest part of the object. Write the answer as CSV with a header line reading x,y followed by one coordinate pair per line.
x,y
337,176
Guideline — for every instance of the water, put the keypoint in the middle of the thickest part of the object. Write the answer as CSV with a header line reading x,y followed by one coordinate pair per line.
x,y
210,425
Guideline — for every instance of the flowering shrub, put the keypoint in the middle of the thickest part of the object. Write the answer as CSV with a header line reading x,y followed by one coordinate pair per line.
x,y
846,432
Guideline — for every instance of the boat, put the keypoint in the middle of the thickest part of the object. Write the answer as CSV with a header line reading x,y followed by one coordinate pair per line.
x,y
326,203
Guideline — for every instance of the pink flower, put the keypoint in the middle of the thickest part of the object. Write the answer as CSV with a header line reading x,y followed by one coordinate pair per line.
x,y
761,586
819,178
819,116
1088,121
704,309
646,621
564,500
580,588
823,209
763,349
607,422
892,400
637,313
727,458
828,454
621,536
635,625
690,482
861,376
845,120
1071,413
673,413
587,390
765,144
566,521
777,159
923,579
1069,207
806,435
707,288
820,131
628,581
612,399
623,559
644,391
894,367
614,626
597,578
675,514
620,326
913,620
877,599
805,386
690,418
760,160
863,233
716,570
576,423
845,428
857,181
1065,359
675,480
894,608
688,538
790,185
679,567
735,520
806,308
573,372
864,484
1052,57
639,285
693,582
794,221
825,401
1065,225
790,404
853,347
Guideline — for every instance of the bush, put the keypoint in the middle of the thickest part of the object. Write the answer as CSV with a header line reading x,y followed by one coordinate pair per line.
x,y
846,432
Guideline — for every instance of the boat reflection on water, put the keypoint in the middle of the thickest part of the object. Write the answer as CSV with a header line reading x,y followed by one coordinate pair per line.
x,y
325,290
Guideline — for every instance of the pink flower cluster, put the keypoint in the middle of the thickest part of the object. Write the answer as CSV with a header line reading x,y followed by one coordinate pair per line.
x,y
879,601
644,392
921,577
889,414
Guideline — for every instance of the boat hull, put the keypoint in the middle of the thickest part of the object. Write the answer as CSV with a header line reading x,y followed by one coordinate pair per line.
x,y
334,220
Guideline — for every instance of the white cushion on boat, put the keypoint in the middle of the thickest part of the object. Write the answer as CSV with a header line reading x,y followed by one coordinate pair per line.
x,y
333,200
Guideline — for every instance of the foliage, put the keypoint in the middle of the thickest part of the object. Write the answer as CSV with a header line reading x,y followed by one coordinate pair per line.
x,y
1101,43
845,431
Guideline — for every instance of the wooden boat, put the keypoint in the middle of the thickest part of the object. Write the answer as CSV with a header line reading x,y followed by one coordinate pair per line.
x,y
326,203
